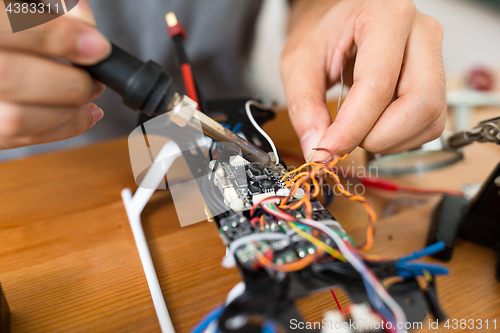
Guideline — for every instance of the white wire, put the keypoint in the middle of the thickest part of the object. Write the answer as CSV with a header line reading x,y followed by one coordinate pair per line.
x,y
328,222
257,127
255,238
236,292
360,266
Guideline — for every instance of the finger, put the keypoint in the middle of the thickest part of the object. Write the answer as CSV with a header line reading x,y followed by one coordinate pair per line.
x,y
73,127
421,91
305,89
380,41
22,125
63,37
35,80
99,89
431,132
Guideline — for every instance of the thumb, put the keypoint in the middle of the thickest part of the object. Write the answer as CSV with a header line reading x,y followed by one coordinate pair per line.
x,y
305,89
81,10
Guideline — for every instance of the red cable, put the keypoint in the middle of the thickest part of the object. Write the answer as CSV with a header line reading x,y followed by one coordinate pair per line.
x,y
187,76
254,221
337,301
378,183
384,184
175,29
387,185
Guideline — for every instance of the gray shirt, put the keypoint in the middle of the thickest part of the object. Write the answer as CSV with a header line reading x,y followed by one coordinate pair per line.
x,y
220,36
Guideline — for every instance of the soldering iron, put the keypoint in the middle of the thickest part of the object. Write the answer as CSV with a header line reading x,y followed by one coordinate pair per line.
x,y
145,87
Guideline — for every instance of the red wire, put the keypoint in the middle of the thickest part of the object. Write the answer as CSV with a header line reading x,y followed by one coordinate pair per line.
x,y
187,76
384,184
337,301
387,185
281,214
255,205
254,221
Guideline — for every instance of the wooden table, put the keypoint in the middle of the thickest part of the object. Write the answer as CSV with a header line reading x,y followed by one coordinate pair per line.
x,y
68,261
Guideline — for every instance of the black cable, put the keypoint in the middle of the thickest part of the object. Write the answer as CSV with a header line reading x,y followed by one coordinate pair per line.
x,y
212,194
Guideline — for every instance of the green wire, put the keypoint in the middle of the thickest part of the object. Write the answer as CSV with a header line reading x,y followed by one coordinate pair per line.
x,y
308,228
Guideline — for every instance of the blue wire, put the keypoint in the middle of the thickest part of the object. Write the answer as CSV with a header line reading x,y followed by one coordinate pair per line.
x,y
426,251
328,198
377,302
209,318
407,268
269,327
237,127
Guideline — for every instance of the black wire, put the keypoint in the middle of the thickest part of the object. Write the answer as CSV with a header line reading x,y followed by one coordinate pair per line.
x,y
211,193
381,269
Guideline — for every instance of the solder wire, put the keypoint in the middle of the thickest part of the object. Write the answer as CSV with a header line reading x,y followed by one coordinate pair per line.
x,y
341,83
300,180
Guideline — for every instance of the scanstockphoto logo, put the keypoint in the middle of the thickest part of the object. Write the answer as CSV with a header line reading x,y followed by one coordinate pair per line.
x,y
28,14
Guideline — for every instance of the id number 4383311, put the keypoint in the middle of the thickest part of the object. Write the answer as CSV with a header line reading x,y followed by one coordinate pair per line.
x,y
33,8
471,324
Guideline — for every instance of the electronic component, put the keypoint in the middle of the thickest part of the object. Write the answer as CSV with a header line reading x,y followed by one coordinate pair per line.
x,y
283,252
287,245
335,323
234,227
241,184
322,214
303,245
366,320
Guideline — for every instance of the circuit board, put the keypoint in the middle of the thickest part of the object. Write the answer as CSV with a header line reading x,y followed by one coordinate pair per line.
x,y
287,245
241,185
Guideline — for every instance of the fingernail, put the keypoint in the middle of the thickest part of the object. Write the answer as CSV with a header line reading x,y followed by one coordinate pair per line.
x,y
96,113
98,89
85,16
309,141
93,45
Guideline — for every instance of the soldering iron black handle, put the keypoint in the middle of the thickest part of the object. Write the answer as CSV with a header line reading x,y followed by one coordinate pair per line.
x,y
143,85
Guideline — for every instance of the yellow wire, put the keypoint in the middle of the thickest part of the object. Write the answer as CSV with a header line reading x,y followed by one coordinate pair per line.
x,y
427,275
334,253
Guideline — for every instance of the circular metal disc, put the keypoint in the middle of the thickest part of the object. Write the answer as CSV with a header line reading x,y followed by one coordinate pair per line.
x,y
416,161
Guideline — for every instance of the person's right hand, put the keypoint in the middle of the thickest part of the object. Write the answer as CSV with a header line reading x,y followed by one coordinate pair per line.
x,y
43,99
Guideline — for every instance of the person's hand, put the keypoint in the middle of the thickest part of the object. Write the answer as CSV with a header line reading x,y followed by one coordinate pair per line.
x,y
397,100
43,99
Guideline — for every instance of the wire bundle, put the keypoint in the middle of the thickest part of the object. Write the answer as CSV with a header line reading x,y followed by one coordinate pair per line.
x,y
316,233
300,180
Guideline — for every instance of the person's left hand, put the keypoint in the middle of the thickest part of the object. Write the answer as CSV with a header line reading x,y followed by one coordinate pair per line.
x,y
397,100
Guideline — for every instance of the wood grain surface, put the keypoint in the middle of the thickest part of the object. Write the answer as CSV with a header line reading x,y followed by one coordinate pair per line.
x,y
68,261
